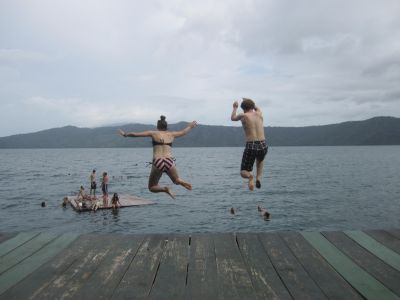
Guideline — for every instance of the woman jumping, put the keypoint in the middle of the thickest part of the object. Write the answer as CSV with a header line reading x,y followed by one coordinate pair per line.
x,y
162,155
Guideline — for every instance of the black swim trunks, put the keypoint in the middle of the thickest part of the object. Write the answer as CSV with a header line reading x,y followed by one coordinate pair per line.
x,y
93,185
253,150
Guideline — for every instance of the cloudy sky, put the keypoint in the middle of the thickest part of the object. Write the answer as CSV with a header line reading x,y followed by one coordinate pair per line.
x,y
93,63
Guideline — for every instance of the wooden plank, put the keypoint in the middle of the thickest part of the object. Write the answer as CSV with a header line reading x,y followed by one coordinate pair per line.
x,y
26,267
138,279
266,282
34,284
328,280
394,232
170,281
366,260
16,241
386,239
13,257
388,256
70,283
233,280
292,273
363,282
5,236
111,270
202,271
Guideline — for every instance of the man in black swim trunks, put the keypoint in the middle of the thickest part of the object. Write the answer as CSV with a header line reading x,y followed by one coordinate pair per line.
x,y
256,147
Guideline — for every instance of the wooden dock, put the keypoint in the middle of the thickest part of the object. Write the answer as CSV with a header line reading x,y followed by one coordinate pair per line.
x,y
277,265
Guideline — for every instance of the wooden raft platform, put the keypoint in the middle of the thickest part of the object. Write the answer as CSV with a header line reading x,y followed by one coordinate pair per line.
x,y
124,199
277,265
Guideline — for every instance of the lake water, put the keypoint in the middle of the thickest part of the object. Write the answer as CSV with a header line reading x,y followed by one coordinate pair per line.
x,y
304,188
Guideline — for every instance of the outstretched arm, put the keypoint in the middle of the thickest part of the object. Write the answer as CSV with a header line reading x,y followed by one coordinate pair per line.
x,y
185,130
134,134
234,115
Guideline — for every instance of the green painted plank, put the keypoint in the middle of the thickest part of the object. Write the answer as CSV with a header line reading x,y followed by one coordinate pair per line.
x,y
27,249
32,286
387,255
23,269
328,280
384,273
365,284
386,239
16,241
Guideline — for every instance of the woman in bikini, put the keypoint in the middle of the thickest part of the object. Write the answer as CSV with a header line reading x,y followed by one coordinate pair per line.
x,y
162,155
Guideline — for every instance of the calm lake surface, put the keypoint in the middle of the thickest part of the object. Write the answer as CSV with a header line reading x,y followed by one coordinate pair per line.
x,y
304,188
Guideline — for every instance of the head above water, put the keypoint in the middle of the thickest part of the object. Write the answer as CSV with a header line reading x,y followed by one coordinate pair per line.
x,y
162,124
247,104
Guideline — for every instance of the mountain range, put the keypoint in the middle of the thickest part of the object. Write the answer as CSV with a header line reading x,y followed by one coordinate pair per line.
x,y
374,131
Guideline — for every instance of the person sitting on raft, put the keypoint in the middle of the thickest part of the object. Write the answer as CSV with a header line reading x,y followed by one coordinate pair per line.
x,y
115,201
83,200
162,155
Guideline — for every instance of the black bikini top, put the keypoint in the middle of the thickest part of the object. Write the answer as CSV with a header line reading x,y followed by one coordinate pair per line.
x,y
155,143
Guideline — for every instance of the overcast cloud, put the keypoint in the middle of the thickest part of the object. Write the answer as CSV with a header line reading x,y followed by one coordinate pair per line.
x,y
94,63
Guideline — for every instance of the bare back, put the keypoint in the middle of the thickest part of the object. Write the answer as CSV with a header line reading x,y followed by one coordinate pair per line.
x,y
253,125
164,137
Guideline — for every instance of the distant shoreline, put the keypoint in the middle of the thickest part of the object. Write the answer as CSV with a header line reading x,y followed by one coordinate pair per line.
x,y
374,131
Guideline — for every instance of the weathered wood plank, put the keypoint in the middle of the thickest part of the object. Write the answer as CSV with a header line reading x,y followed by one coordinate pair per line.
x,y
111,270
394,232
33,285
18,254
202,271
366,260
266,282
386,239
388,256
295,278
233,280
69,284
363,282
171,277
16,241
26,267
138,279
328,280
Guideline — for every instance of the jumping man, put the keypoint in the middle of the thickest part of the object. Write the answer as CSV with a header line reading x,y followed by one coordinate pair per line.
x,y
256,148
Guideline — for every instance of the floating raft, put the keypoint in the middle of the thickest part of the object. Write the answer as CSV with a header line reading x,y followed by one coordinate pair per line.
x,y
125,200
268,265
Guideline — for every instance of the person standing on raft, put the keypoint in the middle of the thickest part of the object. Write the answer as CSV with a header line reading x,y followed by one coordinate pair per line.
x,y
162,155
256,147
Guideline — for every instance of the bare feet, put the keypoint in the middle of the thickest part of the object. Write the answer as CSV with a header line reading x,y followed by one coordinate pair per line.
x,y
170,192
251,183
258,184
